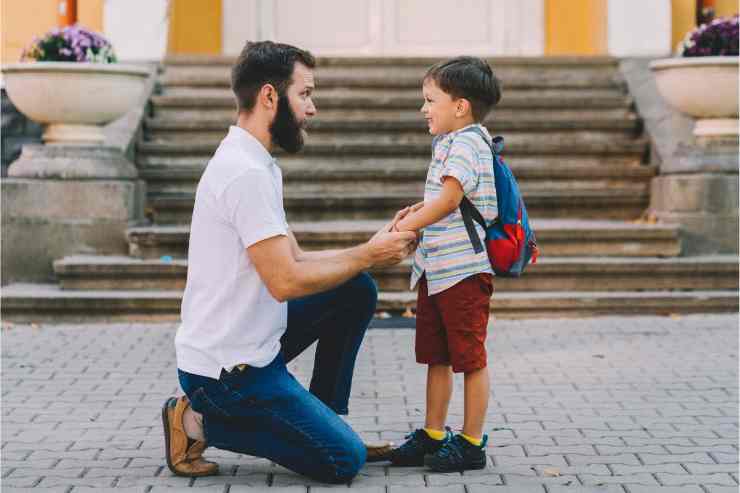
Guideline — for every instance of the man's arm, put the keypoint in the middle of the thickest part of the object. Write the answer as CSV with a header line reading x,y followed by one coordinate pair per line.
x,y
287,277
302,255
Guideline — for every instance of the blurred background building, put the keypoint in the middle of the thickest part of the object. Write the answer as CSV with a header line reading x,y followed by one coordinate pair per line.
x,y
635,204
151,29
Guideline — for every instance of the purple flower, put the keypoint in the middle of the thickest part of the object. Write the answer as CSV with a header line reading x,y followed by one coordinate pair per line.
x,y
72,43
718,38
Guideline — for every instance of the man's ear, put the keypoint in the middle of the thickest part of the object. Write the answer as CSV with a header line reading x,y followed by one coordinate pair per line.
x,y
462,108
268,96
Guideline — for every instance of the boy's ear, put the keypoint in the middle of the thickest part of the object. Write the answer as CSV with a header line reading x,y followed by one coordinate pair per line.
x,y
463,107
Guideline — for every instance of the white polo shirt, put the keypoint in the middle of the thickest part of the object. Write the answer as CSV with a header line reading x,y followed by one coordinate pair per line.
x,y
228,315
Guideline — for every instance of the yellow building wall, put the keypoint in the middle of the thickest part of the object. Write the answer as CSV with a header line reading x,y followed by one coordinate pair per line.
x,y
683,13
725,7
21,23
90,14
22,20
575,27
195,27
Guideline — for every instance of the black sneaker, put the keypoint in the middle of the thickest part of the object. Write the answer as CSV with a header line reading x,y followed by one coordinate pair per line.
x,y
417,445
457,455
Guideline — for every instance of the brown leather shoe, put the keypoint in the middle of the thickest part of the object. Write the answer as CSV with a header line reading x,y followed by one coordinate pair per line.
x,y
183,460
377,452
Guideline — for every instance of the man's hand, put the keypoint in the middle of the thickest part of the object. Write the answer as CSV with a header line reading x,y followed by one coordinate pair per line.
x,y
388,248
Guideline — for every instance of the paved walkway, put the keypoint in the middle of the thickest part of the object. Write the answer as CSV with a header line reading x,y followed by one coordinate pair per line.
x,y
630,405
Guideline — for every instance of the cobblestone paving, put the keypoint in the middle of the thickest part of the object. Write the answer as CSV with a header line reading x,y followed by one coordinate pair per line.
x,y
630,405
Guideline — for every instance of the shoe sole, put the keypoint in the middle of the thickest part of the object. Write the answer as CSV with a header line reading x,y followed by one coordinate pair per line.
x,y
406,464
166,425
473,467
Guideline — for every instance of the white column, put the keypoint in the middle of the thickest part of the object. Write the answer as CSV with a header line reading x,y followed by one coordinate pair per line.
x,y
137,28
240,23
639,28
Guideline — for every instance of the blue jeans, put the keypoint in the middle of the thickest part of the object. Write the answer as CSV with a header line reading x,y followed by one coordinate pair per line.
x,y
265,412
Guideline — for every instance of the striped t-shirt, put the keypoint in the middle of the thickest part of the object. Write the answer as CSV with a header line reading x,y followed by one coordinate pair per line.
x,y
445,252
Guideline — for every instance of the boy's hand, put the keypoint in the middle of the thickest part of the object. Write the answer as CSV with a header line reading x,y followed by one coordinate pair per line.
x,y
391,226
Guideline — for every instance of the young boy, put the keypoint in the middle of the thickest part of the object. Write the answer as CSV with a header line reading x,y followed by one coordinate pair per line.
x,y
455,283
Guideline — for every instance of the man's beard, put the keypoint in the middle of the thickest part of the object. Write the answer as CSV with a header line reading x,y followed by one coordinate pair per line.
x,y
286,131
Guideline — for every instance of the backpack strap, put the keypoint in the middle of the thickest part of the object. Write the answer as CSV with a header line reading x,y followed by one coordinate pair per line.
x,y
469,212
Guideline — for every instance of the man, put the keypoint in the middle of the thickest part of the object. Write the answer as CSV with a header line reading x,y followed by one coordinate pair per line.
x,y
254,300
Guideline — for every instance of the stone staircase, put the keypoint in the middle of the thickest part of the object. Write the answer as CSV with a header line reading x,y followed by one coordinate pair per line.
x,y
572,138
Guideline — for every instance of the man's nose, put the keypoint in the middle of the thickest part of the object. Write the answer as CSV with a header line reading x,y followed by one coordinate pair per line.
x,y
311,110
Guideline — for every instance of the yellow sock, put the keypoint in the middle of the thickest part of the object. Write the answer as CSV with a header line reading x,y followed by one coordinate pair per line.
x,y
435,434
474,441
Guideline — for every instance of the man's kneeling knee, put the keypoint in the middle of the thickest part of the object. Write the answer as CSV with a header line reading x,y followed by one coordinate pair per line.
x,y
347,464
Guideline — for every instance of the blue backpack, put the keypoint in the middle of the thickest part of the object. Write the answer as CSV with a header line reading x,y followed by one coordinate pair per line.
x,y
510,241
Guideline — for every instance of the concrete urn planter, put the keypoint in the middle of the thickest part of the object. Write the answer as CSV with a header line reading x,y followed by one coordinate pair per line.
x,y
74,100
705,88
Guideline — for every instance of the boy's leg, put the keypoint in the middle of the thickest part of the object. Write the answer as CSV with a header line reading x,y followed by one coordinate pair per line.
x,y
338,319
431,349
477,388
439,392
265,412
465,311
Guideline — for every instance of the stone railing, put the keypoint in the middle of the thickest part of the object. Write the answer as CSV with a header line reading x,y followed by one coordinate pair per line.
x,y
17,130
698,182
62,200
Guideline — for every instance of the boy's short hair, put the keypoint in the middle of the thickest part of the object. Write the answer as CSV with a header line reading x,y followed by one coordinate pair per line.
x,y
263,63
470,78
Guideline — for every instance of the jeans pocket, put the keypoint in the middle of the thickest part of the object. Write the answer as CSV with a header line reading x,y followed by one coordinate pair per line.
x,y
202,403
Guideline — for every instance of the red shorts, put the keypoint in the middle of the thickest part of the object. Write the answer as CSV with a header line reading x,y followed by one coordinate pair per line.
x,y
451,326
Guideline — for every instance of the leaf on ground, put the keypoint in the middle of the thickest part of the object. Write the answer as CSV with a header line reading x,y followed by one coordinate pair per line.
x,y
551,472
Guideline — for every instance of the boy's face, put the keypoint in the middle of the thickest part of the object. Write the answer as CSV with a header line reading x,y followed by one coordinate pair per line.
x,y
440,110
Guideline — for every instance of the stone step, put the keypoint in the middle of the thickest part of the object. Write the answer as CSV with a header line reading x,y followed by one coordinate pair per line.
x,y
574,62
210,101
589,304
626,203
388,77
559,238
306,169
338,174
385,188
577,143
162,129
97,272
37,303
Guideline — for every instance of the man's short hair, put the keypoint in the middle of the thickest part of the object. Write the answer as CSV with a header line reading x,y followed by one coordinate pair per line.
x,y
261,63
470,78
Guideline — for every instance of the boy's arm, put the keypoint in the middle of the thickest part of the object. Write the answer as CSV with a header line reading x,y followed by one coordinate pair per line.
x,y
432,211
